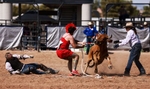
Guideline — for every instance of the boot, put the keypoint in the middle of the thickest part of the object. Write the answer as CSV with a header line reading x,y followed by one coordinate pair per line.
x,y
44,68
127,72
142,72
48,70
52,71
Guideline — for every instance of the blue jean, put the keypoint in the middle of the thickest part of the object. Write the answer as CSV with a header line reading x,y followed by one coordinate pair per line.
x,y
134,56
32,67
25,41
88,40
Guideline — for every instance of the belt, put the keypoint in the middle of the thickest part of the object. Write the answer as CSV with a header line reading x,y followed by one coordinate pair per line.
x,y
89,36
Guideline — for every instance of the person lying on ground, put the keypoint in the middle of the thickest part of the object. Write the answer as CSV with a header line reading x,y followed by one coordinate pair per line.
x,y
14,66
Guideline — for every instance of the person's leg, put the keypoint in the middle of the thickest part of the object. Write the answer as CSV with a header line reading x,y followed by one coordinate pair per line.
x,y
76,59
46,69
120,20
30,68
88,45
25,70
70,64
130,61
137,62
33,68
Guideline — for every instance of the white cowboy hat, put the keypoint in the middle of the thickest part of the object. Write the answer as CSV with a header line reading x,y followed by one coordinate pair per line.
x,y
145,23
129,24
90,23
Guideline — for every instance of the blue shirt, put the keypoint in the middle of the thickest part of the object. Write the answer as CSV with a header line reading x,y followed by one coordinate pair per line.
x,y
90,31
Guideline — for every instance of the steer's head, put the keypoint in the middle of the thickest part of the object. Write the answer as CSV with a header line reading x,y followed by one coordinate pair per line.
x,y
102,38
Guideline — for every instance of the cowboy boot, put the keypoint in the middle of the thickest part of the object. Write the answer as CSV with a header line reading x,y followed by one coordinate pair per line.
x,y
142,72
48,70
127,72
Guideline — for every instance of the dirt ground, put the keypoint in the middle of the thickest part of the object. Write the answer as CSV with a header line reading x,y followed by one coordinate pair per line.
x,y
111,78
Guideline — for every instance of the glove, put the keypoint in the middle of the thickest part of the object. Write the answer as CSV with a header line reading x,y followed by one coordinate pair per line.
x,y
116,46
117,41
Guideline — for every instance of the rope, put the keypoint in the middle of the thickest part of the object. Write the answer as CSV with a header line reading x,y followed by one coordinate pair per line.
x,y
89,43
82,61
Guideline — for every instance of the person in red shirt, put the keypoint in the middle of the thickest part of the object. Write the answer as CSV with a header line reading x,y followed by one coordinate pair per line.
x,y
65,53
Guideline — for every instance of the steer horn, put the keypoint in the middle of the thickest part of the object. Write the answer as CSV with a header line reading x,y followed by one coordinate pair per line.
x,y
109,39
110,36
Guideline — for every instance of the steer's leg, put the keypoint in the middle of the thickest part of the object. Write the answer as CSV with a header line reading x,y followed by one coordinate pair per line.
x,y
109,63
96,69
87,64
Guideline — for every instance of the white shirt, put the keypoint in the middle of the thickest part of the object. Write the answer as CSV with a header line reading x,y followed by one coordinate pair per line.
x,y
10,69
131,38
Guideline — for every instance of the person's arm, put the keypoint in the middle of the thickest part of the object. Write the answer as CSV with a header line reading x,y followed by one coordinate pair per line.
x,y
85,31
25,56
74,44
10,69
78,42
127,39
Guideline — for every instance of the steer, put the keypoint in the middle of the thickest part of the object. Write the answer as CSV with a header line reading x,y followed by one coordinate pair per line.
x,y
98,52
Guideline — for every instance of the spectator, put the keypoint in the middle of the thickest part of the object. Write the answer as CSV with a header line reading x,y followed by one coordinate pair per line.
x,y
90,33
122,15
14,66
26,35
101,29
36,30
145,26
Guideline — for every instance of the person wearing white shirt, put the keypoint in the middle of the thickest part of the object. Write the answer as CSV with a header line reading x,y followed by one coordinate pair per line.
x,y
134,41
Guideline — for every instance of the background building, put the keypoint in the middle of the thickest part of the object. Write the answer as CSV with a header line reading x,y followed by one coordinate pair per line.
x,y
77,11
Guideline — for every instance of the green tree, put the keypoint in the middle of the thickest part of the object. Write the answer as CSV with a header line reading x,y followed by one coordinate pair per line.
x,y
113,11
146,12
26,7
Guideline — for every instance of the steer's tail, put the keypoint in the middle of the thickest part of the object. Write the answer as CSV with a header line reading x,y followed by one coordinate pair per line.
x,y
91,64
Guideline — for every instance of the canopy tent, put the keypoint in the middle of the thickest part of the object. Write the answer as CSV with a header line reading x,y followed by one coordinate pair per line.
x,y
49,1
32,15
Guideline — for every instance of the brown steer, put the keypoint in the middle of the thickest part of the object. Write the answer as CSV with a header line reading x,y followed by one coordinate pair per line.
x,y
98,52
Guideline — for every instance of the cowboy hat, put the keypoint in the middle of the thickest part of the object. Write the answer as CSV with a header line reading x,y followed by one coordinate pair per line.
x,y
90,23
129,24
145,23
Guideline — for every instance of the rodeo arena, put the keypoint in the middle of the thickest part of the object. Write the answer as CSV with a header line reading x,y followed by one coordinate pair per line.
x,y
32,39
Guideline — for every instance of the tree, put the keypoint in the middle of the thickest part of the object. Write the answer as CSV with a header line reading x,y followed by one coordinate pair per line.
x,y
26,7
113,11
146,12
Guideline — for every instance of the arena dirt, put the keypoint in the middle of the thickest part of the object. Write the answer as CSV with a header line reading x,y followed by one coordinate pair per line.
x,y
111,79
